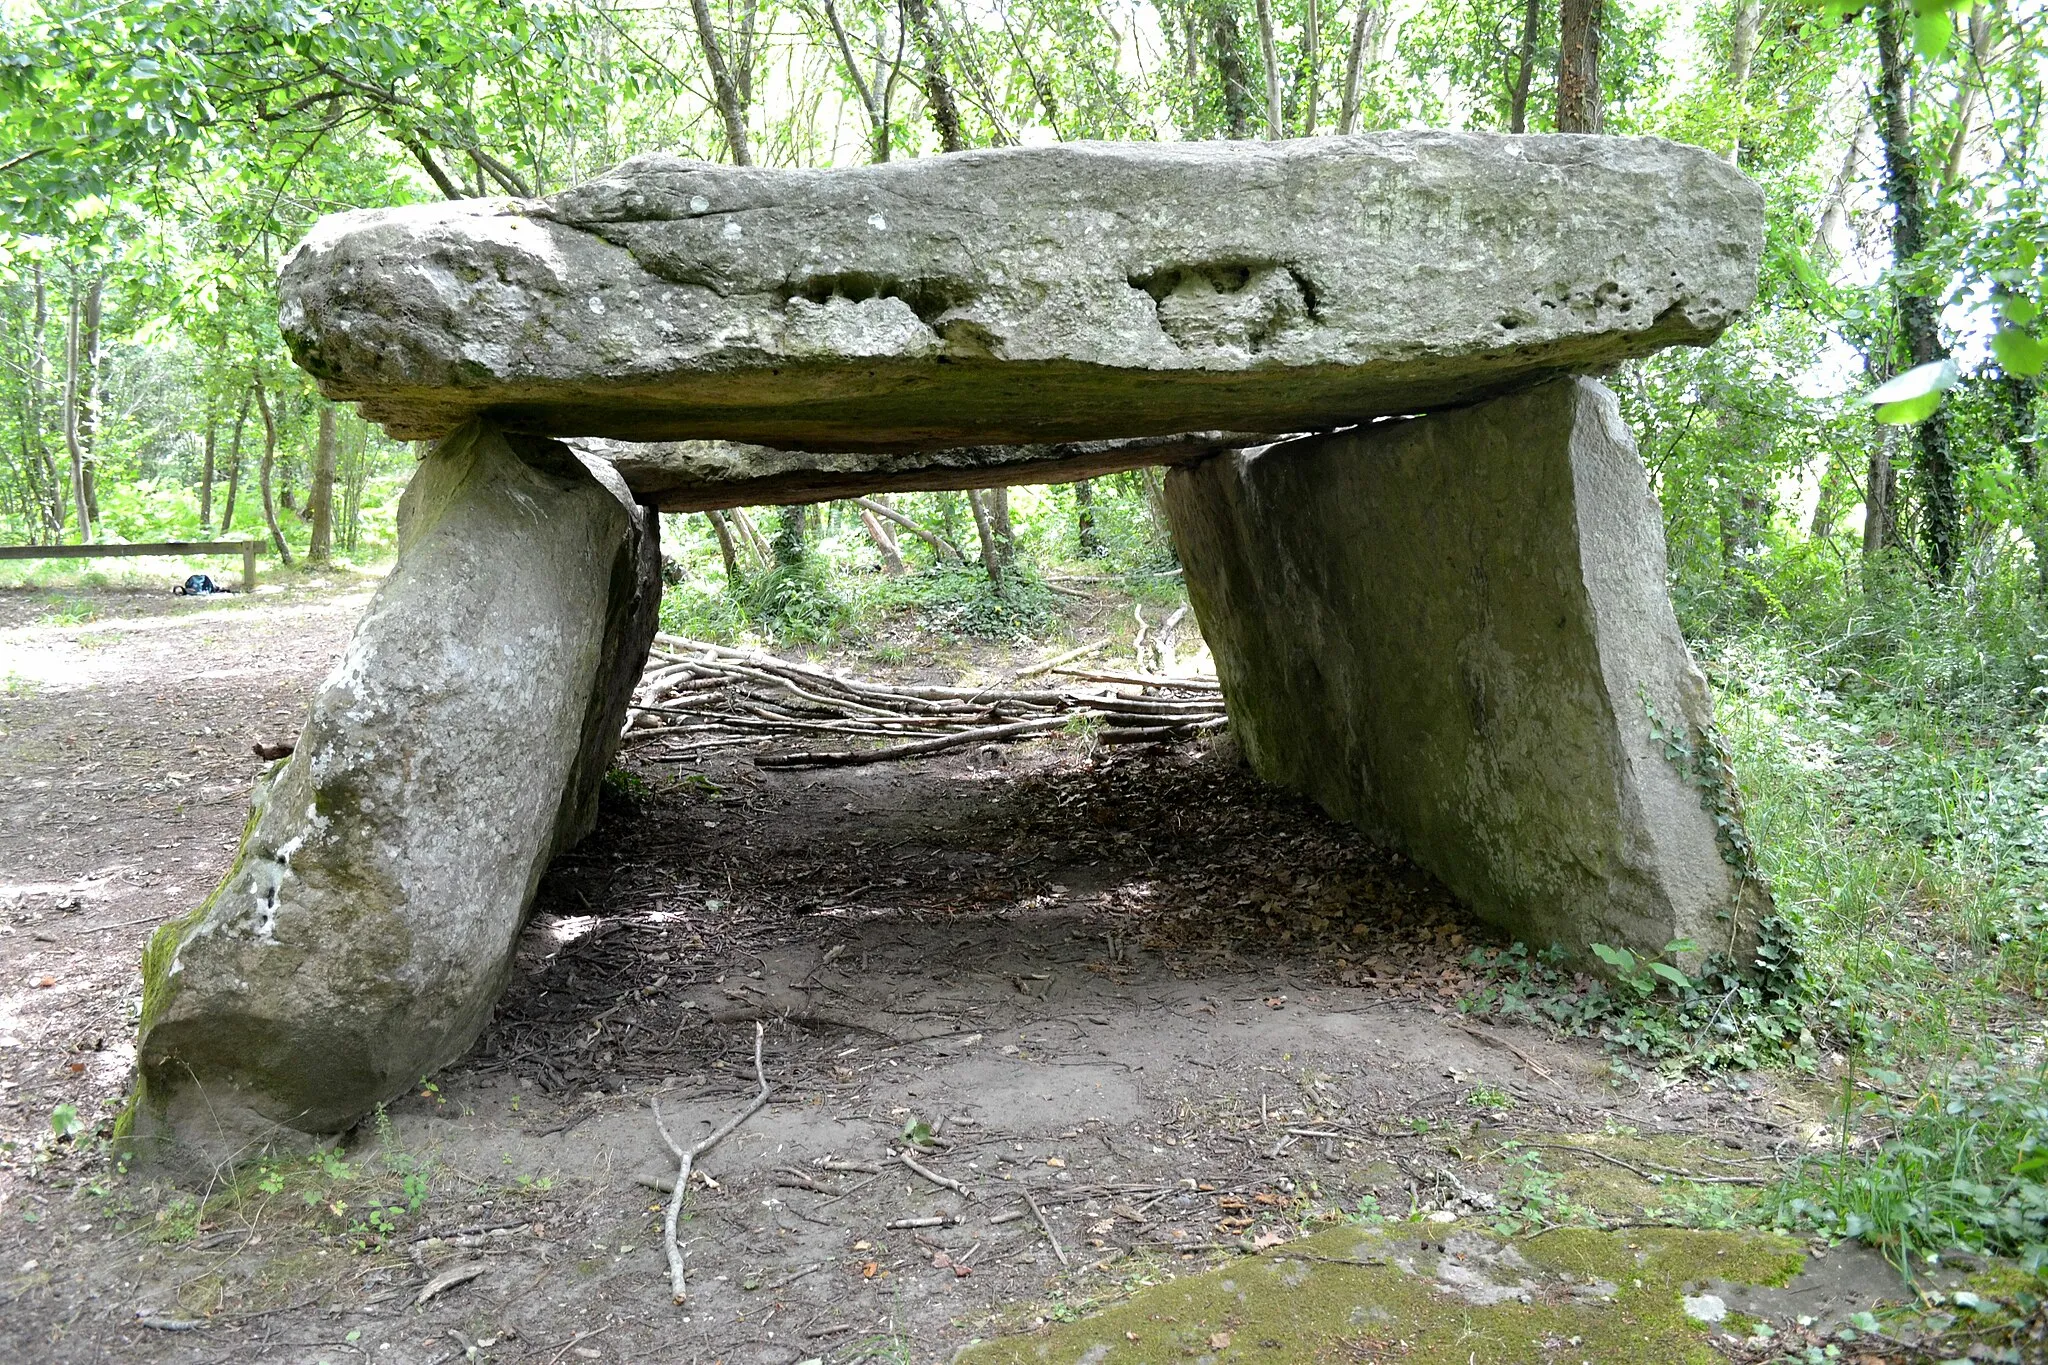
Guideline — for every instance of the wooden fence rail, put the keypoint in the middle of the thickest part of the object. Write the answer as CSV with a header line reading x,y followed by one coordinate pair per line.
x,y
247,549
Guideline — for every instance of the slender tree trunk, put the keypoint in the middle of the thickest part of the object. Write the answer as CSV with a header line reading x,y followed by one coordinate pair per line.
x,y
1525,65
938,90
1742,36
284,551
2020,394
991,558
320,496
943,550
878,121
757,544
885,544
1269,55
1311,44
206,465
725,550
791,546
1085,533
227,511
725,89
1578,67
51,504
1880,500
1364,30
1919,321
71,441
1227,50
1973,80
89,399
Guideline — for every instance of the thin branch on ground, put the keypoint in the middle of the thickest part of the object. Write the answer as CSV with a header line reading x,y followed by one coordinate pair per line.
x,y
686,1158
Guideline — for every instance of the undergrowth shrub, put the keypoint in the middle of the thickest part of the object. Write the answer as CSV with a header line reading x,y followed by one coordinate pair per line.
x,y
1963,1165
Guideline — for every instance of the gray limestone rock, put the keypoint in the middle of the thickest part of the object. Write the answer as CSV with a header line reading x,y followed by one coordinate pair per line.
x,y
368,923
1453,631
1078,292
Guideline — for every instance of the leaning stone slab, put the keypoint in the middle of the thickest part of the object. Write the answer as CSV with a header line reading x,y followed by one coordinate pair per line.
x,y
1453,631
1086,291
368,924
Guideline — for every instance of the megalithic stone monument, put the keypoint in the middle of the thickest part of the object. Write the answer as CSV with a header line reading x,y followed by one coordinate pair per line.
x,y
1449,625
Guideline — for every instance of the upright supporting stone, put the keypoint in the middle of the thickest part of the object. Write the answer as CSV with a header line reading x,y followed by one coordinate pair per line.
x,y
1453,630
369,922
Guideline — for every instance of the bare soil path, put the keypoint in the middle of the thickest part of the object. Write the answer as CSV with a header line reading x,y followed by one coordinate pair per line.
x,y
1139,1010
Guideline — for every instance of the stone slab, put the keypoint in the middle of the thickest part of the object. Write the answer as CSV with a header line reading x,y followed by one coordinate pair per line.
x,y
1453,631
367,926
1019,296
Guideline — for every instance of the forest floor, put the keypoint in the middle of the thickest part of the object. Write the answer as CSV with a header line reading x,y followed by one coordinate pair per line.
x,y
1153,1015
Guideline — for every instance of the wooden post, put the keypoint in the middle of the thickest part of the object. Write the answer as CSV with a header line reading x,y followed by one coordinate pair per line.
x,y
248,566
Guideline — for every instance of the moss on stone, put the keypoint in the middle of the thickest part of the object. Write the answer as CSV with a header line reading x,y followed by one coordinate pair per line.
x,y
1426,1296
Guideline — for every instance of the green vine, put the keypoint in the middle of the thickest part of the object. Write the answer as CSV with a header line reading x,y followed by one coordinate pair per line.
x,y
1701,758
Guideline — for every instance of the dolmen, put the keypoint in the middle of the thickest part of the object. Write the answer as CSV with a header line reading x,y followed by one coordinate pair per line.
x,y
1416,532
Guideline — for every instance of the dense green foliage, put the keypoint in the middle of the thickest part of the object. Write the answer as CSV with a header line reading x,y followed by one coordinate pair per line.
x,y
1863,579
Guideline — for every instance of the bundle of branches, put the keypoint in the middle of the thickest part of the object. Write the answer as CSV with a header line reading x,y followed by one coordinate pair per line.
x,y
700,697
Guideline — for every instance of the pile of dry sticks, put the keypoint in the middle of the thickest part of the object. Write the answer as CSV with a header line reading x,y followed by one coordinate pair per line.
x,y
700,697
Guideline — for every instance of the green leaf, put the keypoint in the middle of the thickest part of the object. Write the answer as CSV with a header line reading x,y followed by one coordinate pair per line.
x,y
1672,974
2019,309
2019,352
1914,395
1931,33
1621,959
1681,945
65,1122
1910,411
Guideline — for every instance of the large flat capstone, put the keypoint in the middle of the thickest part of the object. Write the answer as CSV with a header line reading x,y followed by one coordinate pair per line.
x,y
368,923
1027,295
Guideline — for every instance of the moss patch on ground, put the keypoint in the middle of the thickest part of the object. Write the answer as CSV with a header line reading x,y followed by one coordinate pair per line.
x,y
1426,1294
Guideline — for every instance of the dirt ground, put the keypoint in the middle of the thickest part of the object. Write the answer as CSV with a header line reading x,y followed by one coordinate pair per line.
x,y
1139,1012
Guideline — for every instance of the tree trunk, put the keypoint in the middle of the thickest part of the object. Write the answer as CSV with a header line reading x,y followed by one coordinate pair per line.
x,y
1919,321
2019,394
227,511
51,503
88,400
71,442
1227,50
1311,48
1364,29
791,546
1972,79
885,544
1525,65
757,544
991,558
284,551
878,121
942,548
1578,67
1085,532
938,90
1742,35
206,465
725,550
320,496
1269,55
1880,494
724,88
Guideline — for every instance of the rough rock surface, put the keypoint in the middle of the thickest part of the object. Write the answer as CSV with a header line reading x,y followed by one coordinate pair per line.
x,y
1453,631
1027,295
367,926
690,476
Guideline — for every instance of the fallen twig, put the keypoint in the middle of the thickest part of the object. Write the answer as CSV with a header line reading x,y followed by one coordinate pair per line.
x,y
686,1157
943,1182
448,1279
1046,1224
